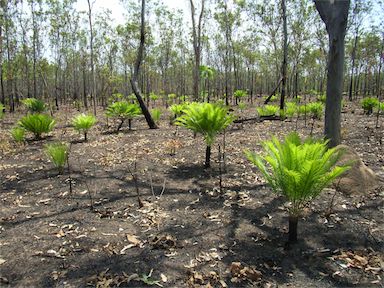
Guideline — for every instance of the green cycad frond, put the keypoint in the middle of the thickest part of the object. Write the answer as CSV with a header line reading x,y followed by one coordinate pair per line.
x,y
34,105
205,118
123,110
298,170
83,122
37,124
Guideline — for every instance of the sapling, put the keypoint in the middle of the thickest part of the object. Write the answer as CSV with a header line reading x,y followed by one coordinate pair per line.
x,y
207,119
34,105
368,104
299,170
156,114
267,110
18,134
58,154
123,111
37,124
82,123
2,108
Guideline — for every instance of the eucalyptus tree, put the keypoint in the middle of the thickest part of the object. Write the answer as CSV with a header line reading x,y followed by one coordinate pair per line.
x,y
91,36
197,33
360,10
134,78
167,23
300,19
265,14
38,17
228,20
335,16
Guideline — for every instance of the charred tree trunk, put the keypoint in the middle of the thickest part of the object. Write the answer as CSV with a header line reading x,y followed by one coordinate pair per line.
x,y
285,54
207,157
134,79
292,233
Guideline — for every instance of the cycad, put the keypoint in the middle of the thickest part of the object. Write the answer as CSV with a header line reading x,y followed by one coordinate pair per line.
x,y
207,119
37,124
156,114
58,154
34,105
18,134
298,170
2,108
83,123
267,110
123,110
369,103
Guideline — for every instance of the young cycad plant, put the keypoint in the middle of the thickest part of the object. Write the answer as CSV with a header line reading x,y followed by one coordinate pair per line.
x,y
18,134
239,94
298,170
123,111
267,110
34,105
82,123
207,119
368,104
37,124
290,110
58,154
2,108
316,109
156,114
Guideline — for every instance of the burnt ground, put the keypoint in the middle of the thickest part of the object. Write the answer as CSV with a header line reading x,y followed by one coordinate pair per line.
x,y
188,232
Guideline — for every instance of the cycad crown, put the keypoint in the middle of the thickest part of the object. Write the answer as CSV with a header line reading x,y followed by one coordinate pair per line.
x,y
37,124
205,118
298,170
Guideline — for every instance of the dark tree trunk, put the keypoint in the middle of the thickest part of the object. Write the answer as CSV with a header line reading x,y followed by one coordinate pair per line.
x,y
285,54
196,35
134,79
207,157
335,16
292,233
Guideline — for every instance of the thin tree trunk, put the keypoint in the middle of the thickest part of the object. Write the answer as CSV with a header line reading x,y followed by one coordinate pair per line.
x,y
207,157
134,79
285,55
92,59
292,233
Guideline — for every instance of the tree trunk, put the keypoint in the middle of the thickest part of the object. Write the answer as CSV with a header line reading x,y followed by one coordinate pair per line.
x,y
196,36
207,157
93,89
292,233
285,54
335,16
134,79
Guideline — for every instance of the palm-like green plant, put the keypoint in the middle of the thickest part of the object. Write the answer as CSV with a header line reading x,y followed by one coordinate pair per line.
x,y
37,124
177,109
156,114
267,110
34,105
369,103
239,94
2,108
290,109
299,170
82,123
123,110
58,154
207,119
316,109
18,134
